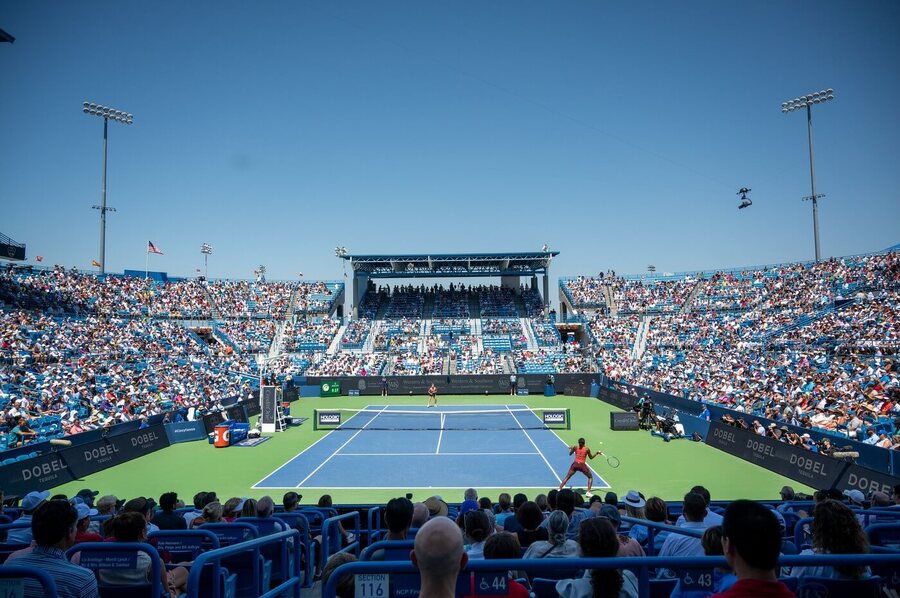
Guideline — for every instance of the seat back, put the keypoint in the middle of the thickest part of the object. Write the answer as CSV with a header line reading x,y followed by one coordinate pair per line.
x,y
111,560
388,550
544,588
662,588
31,578
884,534
826,587
231,533
176,546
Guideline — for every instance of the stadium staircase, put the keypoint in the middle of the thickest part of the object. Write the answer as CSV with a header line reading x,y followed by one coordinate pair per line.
x,y
640,341
686,307
335,345
214,312
610,302
374,330
529,333
474,307
275,348
428,306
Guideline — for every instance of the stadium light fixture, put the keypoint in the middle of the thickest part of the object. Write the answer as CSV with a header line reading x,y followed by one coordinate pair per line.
x,y
807,101
118,116
745,201
206,249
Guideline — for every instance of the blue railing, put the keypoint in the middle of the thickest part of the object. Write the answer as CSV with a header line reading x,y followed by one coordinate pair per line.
x,y
291,583
642,566
329,536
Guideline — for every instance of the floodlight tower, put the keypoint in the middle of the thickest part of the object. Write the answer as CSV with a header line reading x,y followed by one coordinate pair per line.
x,y
126,119
206,249
807,101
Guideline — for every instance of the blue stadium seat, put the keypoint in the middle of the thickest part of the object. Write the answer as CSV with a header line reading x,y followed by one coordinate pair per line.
x,y
31,576
544,588
107,556
825,587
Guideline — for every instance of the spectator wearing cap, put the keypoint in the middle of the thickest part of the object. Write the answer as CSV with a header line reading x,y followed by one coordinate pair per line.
x,y
557,545
627,545
611,499
87,496
53,525
679,544
30,503
712,518
167,518
635,506
83,534
290,501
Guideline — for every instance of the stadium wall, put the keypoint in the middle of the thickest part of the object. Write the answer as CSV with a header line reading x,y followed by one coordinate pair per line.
x,y
568,384
812,469
96,450
871,457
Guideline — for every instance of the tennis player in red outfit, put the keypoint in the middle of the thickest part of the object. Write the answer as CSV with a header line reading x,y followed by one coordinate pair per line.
x,y
582,453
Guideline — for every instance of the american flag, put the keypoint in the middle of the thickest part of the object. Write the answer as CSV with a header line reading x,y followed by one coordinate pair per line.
x,y
151,248
39,258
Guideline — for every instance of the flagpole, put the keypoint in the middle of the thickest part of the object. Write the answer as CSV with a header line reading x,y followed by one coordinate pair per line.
x,y
147,263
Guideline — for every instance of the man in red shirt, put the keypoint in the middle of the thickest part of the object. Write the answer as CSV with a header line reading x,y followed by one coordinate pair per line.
x,y
752,543
580,464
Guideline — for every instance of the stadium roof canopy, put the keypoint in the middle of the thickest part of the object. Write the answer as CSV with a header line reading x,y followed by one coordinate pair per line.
x,y
450,265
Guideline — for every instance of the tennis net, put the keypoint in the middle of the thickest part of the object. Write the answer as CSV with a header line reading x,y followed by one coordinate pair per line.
x,y
436,419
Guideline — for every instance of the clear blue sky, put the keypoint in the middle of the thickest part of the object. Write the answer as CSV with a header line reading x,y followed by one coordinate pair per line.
x,y
617,132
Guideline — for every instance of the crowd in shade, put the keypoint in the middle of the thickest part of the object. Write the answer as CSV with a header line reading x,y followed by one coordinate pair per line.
x,y
349,364
249,336
309,333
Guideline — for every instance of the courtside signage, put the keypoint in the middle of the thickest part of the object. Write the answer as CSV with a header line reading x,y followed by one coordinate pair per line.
x,y
329,418
555,417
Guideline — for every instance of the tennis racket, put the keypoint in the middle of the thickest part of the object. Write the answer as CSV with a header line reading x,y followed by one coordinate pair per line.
x,y
612,461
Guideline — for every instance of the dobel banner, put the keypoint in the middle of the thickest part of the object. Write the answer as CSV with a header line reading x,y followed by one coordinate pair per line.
x,y
796,463
38,473
107,452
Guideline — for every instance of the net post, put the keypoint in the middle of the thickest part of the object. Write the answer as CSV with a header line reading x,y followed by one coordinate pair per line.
x,y
568,418
315,419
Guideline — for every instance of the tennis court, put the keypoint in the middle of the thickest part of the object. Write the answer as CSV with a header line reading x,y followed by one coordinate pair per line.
x,y
403,446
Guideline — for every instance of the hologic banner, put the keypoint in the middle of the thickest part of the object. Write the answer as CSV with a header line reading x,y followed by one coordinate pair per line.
x,y
38,473
796,463
96,456
185,432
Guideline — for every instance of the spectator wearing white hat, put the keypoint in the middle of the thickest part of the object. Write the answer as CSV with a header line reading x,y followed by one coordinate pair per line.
x,y
29,504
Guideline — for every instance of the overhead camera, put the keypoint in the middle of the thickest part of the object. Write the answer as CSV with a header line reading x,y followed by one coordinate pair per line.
x,y
745,201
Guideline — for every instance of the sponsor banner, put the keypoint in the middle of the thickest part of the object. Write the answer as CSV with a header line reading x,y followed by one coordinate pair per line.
x,y
796,463
866,480
38,473
237,413
96,456
625,420
185,432
328,418
618,399
555,417
252,407
574,384
268,406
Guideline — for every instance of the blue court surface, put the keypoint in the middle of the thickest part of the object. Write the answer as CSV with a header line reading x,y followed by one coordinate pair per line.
x,y
400,452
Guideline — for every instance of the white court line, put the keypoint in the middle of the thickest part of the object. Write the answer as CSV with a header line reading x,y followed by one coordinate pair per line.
x,y
524,431
407,488
437,451
273,472
322,464
429,454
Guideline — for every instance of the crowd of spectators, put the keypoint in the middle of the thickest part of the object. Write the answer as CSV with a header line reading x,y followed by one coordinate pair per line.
x,y
349,364
309,334
545,361
249,336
